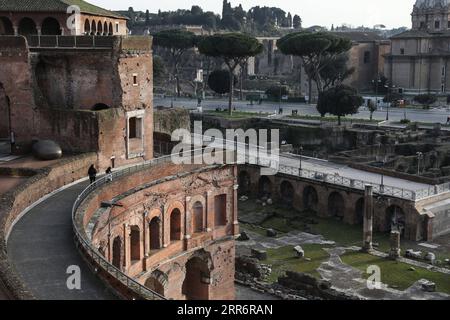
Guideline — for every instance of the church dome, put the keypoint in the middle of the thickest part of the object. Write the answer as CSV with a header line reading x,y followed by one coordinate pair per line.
x,y
431,4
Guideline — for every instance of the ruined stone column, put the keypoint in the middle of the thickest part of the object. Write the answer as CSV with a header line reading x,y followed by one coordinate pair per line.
x,y
368,219
394,253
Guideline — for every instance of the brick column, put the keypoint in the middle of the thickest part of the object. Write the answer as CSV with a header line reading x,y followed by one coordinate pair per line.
x,y
368,219
187,223
126,247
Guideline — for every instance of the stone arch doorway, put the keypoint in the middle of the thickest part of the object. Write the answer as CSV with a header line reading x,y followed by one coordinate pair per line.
x,y
310,199
395,219
244,183
117,253
287,193
197,210
51,26
155,234
198,279
336,205
6,27
359,211
27,27
157,282
135,243
264,187
175,225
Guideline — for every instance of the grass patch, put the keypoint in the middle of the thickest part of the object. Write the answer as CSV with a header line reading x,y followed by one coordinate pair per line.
x,y
236,114
284,259
395,273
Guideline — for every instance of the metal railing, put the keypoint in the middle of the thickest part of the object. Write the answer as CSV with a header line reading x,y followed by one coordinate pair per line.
x,y
143,291
68,42
116,273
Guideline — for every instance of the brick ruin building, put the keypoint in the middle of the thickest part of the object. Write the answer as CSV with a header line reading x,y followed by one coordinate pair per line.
x,y
90,89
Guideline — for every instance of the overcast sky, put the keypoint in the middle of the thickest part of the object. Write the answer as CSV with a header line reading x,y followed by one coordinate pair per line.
x,y
392,13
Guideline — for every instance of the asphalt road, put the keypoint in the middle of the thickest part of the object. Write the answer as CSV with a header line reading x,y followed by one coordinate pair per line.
x,y
41,248
395,114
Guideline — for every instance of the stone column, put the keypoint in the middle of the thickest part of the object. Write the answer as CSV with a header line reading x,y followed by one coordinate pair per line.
x,y
209,212
394,253
145,238
126,247
16,30
368,219
235,210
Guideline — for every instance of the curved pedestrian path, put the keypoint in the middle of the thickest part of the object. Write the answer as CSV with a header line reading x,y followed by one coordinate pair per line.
x,y
41,248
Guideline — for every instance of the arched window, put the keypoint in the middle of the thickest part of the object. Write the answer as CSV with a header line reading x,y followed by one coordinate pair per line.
x,y
265,187
117,253
175,225
99,29
93,28
220,210
27,27
198,217
155,234
6,27
111,29
135,243
197,280
105,29
87,27
50,26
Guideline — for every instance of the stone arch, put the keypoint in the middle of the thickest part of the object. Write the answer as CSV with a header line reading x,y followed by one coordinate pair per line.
x,y
50,26
105,28
87,27
175,225
264,187
310,198
117,252
111,29
155,233
99,28
135,243
100,106
244,182
198,217
27,27
395,219
157,282
336,205
93,27
198,276
359,211
6,27
287,192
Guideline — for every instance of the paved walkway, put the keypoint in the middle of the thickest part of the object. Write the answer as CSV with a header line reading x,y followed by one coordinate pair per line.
x,y
41,248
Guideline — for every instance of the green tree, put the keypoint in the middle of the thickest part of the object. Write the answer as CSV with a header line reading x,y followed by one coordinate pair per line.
x,y
177,42
425,99
335,70
219,81
372,108
234,49
159,69
297,22
277,92
318,50
339,101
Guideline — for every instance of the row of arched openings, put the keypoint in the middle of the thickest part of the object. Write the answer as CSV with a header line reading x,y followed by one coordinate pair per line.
x,y
27,27
98,28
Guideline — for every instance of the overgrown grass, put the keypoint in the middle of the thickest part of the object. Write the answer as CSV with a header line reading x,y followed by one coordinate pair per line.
x,y
396,274
284,259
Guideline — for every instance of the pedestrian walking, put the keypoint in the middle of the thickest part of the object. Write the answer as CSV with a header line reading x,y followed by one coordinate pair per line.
x,y
109,176
92,172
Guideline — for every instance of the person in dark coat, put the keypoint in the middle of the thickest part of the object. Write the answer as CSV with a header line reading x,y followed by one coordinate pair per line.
x,y
92,172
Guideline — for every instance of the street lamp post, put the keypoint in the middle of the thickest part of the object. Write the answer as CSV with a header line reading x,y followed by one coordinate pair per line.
x,y
300,150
